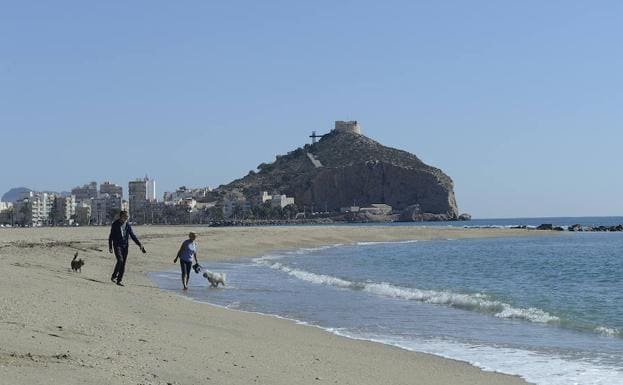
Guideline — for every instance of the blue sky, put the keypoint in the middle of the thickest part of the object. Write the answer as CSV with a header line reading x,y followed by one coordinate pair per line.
x,y
520,103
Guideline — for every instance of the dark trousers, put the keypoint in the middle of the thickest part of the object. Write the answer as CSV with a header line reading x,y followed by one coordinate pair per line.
x,y
186,266
121,253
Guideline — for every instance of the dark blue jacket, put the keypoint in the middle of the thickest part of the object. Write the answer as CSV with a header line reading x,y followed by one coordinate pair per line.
x,y
116,237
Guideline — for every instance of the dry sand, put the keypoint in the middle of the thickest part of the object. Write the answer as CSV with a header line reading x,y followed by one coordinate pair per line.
x,y
60,327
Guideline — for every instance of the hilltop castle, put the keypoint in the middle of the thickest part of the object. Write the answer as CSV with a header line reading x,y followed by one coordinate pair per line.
x,y
347,126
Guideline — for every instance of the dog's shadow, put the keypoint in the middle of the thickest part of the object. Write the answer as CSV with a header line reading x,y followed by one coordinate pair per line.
x,y
94,280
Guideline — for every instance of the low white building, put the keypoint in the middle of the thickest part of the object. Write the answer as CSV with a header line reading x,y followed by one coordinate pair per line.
x,y
7,216
281,201
181,193
5,206
377,209
349,209
184,192
277,200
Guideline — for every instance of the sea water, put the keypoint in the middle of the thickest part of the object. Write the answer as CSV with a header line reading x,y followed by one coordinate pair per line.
x,y
547,308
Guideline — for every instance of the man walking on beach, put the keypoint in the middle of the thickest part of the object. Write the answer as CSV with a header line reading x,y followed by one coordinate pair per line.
x,y
120,231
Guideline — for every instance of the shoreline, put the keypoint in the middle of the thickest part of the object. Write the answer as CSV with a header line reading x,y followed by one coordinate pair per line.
x,y
133,331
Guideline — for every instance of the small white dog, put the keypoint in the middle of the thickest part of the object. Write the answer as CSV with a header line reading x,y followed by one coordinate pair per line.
x,y
214,278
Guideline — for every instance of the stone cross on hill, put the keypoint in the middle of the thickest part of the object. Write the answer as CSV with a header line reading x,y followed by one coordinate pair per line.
x,y
314,136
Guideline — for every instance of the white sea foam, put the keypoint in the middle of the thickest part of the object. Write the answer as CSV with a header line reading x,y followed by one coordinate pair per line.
x,y
545,368
475,302
385,242
271,257
320,279
306,250
302,250
478,302
531,314
534,367
606,331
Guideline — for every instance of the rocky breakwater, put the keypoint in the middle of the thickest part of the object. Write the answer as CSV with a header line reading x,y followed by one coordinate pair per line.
x,y
577,227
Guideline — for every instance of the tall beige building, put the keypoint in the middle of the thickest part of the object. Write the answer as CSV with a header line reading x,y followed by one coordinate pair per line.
x,y
137,199
111,189
105,208
85,193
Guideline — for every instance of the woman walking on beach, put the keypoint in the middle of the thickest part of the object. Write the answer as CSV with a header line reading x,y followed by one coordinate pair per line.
x,y
187,252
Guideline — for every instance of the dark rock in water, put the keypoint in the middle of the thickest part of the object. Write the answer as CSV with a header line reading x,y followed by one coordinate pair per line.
x,y
519,227
465,217
430,217
364,217
558,228
412,214
609,228
597,228
575,227
545,226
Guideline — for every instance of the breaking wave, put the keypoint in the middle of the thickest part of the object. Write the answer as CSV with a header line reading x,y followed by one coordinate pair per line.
x,y
609,332
474,302
384,243
300,251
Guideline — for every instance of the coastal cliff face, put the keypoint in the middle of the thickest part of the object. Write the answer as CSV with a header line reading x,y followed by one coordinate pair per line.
x,y
345,169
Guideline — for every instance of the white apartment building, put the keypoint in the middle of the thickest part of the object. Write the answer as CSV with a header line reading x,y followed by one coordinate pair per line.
x,y
64,210
37,207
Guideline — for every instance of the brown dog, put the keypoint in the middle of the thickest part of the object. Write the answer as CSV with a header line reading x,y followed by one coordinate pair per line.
x,y
76,265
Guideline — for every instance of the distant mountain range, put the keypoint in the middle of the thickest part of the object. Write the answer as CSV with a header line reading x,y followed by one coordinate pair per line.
x,y
15,193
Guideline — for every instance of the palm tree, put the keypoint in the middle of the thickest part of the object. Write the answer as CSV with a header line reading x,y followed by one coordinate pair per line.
x,y
290,211
53,213
11,213
26,212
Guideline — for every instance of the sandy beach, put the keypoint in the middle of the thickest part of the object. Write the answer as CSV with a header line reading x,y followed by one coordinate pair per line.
x,y
57,326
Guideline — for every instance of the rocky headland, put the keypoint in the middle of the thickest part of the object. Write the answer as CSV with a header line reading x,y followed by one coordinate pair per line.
x,y
345,168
